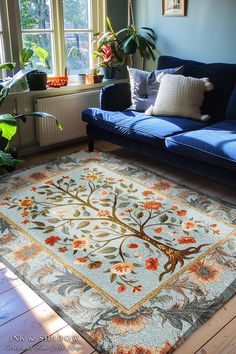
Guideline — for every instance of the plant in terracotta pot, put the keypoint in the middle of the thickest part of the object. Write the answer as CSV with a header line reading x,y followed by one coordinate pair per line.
x,y
95,76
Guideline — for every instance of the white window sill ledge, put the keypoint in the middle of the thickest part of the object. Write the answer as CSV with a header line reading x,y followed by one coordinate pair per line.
x,y
64,90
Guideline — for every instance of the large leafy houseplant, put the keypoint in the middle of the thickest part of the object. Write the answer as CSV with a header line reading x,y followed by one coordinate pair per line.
x,y
136,39
8,121
141,40
113,47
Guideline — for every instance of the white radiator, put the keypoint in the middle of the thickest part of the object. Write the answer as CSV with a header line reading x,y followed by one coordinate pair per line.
x,y
67,109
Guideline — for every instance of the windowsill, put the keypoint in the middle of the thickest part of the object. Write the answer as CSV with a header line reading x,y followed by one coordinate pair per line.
x,y
70,88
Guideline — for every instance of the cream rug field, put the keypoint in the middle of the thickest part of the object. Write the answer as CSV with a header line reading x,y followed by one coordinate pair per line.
x,y
133,262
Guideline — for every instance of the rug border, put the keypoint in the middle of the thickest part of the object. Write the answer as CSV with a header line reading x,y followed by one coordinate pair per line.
x,y
54,307
122,159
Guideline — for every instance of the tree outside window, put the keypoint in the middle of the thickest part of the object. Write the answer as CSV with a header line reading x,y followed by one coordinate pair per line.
x,y
39,26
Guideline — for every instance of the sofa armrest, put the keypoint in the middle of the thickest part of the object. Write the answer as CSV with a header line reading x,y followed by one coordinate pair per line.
x,y
115,97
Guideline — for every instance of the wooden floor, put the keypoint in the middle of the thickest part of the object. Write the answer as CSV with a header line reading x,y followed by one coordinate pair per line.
x,y
23,313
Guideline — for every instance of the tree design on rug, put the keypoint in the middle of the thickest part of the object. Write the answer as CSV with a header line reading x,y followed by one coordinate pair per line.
x,y
103,215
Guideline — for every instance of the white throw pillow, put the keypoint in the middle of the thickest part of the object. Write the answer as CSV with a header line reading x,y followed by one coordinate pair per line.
x,y
144,86
180,96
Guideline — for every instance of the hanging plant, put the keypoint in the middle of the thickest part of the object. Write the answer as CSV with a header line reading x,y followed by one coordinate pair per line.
x,y
133,39
141,40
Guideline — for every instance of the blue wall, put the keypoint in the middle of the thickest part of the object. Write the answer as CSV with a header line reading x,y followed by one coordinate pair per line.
x,y
207,33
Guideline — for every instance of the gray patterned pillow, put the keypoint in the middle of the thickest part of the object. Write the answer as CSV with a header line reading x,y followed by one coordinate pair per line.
x,y
144,86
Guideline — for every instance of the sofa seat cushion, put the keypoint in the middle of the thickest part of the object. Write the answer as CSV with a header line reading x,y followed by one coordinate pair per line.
x,y
215,144
139,126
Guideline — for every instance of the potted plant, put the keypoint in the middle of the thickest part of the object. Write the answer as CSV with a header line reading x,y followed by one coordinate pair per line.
x,y
8,121
113,47
141,40
95,76
108,52
106,64
37,79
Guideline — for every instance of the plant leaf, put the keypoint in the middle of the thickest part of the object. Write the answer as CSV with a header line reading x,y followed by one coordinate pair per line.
x,y
25,55
41,115
8,66
8,84
7,160
41,52
7,126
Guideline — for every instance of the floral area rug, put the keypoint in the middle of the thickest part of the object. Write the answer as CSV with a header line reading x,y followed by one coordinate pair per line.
x,y
133,262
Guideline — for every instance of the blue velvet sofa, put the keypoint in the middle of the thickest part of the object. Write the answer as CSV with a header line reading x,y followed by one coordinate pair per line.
x,y
206,148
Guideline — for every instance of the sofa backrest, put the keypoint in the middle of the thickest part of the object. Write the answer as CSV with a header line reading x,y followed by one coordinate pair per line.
x,y
223,77
231,108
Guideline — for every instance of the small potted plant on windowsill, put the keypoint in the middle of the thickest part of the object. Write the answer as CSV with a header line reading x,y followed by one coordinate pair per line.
x,y
37,79
107,65
95,77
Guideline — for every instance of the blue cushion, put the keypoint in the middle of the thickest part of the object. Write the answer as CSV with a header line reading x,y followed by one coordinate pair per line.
x,y
215,144
223,77
231,108
138,125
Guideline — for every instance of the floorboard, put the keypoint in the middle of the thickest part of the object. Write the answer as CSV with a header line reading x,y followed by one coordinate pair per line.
x,y
66,340
224,342
209,329
8,280
15,302
2,266
38,322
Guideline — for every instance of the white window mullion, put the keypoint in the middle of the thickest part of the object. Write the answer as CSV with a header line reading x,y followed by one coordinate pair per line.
x,y
98,21
59,45
5,38
14,30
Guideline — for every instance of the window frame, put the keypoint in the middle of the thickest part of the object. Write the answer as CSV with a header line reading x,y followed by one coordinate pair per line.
x,y
5,36
14,31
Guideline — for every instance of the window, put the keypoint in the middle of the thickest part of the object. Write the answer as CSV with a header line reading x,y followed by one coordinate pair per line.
x,y
77,34
1,44
64,28
36,28
4,39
